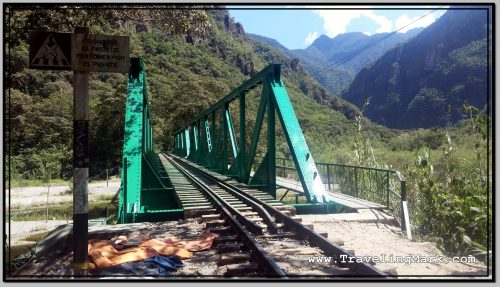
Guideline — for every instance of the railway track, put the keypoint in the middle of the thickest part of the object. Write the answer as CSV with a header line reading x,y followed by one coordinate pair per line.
x,y
260,240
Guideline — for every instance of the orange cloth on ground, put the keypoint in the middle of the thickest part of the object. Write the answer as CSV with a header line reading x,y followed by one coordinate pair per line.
x,y
121,239
153,242
128,250
204,243
104,255
104,247
98,243
99,260
140,254
171,250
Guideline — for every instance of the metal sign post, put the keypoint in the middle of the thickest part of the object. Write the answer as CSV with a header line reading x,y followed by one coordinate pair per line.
x,y
80,166
83,53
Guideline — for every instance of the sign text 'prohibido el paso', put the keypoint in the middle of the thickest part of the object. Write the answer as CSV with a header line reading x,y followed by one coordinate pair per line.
x,y
100,53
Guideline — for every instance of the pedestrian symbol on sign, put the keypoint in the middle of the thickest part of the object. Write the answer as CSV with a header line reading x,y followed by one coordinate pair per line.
x,y
50,55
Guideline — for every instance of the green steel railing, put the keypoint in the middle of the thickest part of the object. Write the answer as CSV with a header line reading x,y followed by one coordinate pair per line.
x,y
145,186
382,186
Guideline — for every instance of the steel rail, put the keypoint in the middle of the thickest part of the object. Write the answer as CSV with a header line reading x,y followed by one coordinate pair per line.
x,y
330,248
255,204
217,200
257,250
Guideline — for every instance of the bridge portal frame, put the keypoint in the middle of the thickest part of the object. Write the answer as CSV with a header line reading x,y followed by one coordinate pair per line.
x,y
211,150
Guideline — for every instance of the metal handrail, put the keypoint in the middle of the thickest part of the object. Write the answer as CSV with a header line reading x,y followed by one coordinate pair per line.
x,y
395,193
354,166
382,174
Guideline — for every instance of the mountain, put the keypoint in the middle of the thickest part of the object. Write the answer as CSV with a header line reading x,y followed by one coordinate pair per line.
x,y
326,52
343,45
273,43
425,82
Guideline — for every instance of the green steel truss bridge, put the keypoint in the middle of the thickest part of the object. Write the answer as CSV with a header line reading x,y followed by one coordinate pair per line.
x,y
152,189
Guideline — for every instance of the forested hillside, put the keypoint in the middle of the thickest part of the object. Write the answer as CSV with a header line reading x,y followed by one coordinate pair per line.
x,y
425,82
186,72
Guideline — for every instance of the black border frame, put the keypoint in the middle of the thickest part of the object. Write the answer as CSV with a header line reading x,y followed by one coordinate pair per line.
x,y
489,6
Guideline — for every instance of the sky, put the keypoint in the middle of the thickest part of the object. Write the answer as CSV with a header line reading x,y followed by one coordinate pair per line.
x,y
297,29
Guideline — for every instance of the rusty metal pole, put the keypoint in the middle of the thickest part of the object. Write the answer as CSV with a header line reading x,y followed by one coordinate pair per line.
x,y
80,168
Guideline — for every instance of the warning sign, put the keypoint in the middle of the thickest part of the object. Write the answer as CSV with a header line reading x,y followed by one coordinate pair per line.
x,y
100,53
50,51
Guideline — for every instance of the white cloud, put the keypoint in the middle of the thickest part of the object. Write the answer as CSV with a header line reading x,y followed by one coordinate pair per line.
x,y
311,37
336,21
385,25
404,20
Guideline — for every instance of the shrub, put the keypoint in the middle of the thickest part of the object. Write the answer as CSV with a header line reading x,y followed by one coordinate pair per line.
x,y
451,200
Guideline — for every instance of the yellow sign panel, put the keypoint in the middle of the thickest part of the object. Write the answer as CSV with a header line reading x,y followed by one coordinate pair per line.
x,y
100,53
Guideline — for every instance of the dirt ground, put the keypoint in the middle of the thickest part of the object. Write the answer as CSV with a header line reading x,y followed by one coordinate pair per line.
x,y
362,233
380,239
37,195
22,229
203,263
365,239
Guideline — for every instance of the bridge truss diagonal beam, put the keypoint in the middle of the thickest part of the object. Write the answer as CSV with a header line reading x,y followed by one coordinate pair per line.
x,y
274,101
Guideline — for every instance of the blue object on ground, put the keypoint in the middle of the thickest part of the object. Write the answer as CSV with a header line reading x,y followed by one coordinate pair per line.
x,y
135,268
153,266
170,263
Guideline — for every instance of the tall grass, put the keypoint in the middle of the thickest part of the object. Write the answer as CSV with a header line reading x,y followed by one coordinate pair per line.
x,y
451,194
449,181
62,212
15,182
